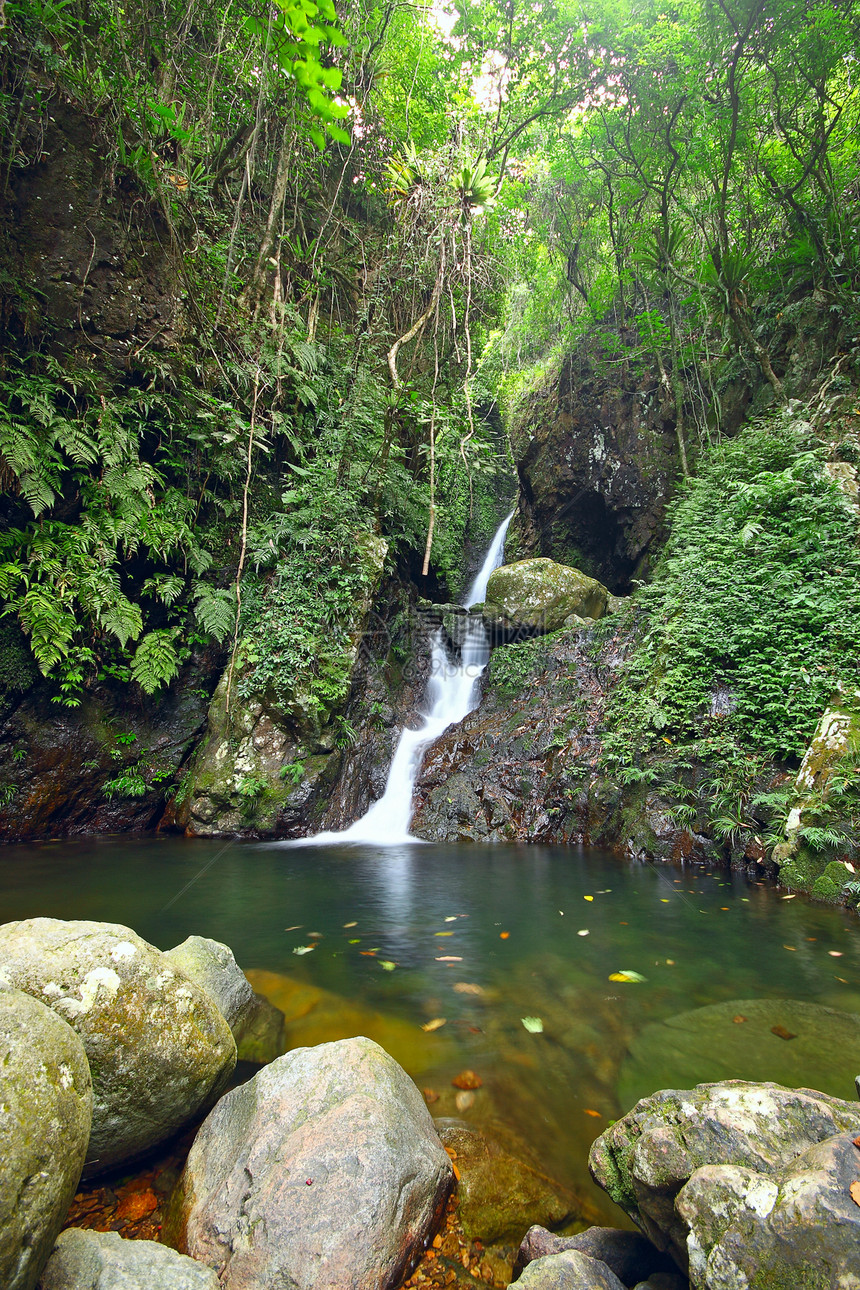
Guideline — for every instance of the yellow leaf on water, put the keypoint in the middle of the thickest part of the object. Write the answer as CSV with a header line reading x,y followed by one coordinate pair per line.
x,y
443,933
435,1024
386,965
350,924
465,987
588,898
452,918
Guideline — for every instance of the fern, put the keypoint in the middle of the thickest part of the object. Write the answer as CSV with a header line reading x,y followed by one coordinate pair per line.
x,y
156,660
215,610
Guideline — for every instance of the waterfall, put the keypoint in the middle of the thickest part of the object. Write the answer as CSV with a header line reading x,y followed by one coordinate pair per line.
x,y
452,692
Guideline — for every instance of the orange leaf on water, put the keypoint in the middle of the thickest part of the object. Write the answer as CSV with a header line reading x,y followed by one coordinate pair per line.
x,y
595,1114
504,935
782,1033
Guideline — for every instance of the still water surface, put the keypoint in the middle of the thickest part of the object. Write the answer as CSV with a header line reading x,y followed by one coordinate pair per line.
x,y
482,938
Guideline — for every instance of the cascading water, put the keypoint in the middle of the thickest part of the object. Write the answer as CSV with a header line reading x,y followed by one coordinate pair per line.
x,y
452,692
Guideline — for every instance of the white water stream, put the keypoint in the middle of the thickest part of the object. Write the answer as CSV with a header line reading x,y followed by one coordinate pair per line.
x,y
452,692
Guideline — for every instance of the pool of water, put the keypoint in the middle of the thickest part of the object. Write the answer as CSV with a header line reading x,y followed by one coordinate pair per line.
x,y
387,940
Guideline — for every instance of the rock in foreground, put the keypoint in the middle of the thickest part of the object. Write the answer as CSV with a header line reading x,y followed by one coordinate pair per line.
x,y
746,1185
630,1255
539,595
84,1260
45,1116
159,1048
323,1172
570,1270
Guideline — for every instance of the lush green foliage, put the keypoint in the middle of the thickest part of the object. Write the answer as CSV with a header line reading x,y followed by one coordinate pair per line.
x,y
752,619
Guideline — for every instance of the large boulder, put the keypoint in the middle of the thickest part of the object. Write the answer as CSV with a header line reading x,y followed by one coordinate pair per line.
x,y
257,1026
655,1163
540,595
324,1170
159,1049
83,1260
570,1270
797,1227
45,1116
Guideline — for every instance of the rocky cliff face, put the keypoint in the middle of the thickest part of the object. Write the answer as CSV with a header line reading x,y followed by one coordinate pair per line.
x,y
597,460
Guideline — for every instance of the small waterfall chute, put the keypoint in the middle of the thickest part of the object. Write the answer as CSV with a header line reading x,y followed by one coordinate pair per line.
x,y
452,692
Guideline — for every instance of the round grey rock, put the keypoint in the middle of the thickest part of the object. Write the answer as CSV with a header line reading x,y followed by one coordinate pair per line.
x,y
83,1260
569,1270
158,1047
258,1027
324,1170
213,967
45,1117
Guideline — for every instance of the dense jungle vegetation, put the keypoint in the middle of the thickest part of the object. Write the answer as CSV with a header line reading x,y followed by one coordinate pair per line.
x,y
385,223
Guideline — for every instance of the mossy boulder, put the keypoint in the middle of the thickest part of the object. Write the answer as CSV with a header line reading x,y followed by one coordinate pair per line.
x,y
502,1193
158,1047
539,595
46,1107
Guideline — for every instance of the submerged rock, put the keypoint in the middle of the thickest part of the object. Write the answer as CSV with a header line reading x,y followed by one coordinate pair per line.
x,y
324,1170
538,596
84,1260
500,1192
159,1048
45,1117
786,1041
665,1164
570,1270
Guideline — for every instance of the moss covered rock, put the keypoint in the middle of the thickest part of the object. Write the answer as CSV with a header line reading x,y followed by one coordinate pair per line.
x,y
45,1116
158,1047
539,595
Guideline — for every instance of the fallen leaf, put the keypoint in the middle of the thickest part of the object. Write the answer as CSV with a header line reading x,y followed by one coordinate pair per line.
x,y
467,1079
356,940
315,936
296,928
854,1191
626,975
533,1025
583,932
456,1171
782,1033
449,958
504,935
387,965
430,1095
443,933
452,918
450,1153
670,962
368,953
464,1100
595,1114
739,1019
664,900
790,897
137,1206
588,898
724,909
304,949
856,1143
793,948
435,1024
835,954
465,987
350,924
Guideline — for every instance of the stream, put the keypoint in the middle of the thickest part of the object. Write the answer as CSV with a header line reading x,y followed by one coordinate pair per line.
x,y
383,940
